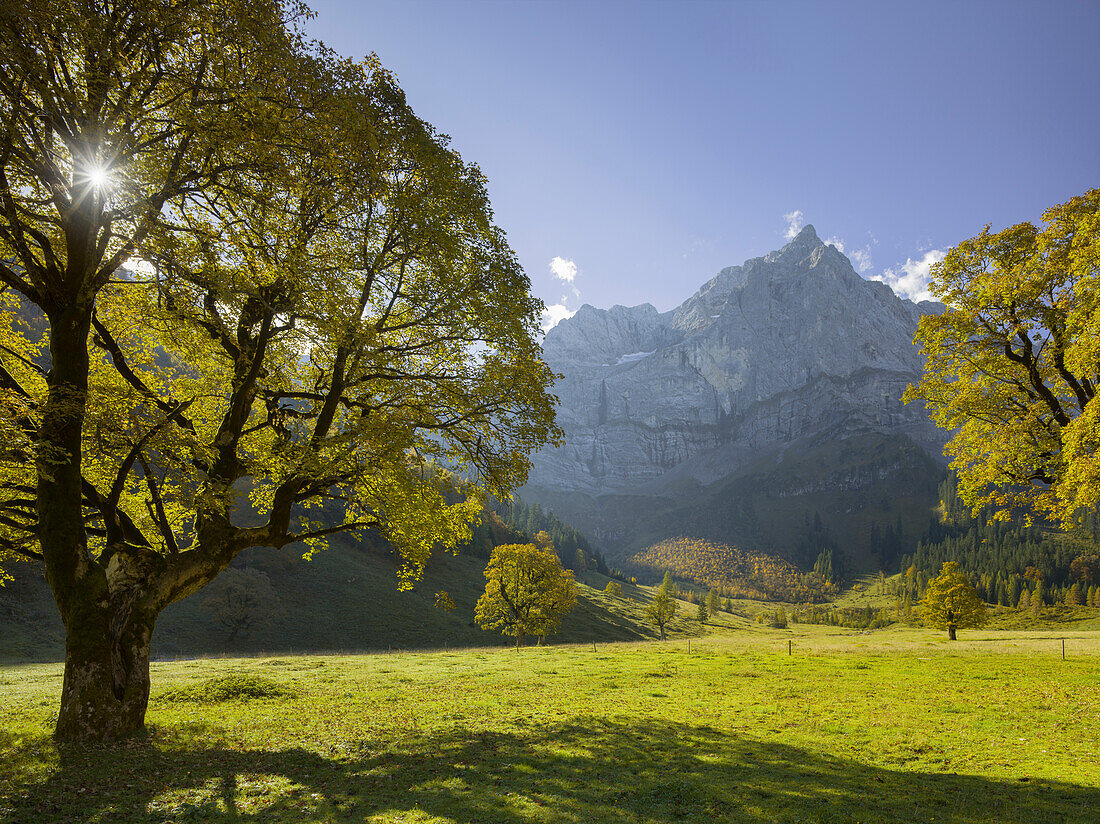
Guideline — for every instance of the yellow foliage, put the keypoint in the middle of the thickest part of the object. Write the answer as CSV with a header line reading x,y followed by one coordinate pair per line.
x,y
1012,363
732,571
526,592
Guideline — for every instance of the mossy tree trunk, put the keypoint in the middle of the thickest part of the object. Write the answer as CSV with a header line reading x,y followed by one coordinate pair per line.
x,y
105,692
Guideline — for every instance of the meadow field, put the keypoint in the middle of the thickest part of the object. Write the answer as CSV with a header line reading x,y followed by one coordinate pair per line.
x,y
814,724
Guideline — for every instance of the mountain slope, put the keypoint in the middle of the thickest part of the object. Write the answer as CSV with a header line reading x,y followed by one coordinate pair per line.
x,y
772,362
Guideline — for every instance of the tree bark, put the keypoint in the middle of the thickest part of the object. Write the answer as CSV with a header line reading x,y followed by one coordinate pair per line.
x,y
951,632
106,688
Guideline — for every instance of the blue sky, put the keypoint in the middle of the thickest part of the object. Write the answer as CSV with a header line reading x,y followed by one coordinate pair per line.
x,y
639,147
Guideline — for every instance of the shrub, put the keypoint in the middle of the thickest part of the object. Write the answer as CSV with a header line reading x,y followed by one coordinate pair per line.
x,y
235,687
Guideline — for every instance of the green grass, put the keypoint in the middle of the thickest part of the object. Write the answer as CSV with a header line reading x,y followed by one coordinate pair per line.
x,y
893,726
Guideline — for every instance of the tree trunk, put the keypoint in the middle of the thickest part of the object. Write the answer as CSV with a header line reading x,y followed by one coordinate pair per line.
x,y
106,688
951,632
662,628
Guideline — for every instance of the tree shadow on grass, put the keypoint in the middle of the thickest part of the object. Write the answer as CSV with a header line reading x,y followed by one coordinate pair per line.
x,y
615,771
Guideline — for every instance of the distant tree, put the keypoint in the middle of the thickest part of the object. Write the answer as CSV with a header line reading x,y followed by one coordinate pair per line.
x,y
727,605
702,614
1086,569
527,592
780,620
713,602
614,588
444,601
1075,596
663,607
1038,600
1024,601
1012,365
951,602
242,600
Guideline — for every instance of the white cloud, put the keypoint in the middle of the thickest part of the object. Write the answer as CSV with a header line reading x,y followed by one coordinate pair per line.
x,y
564,270
910,279
795,221
860,257
553,315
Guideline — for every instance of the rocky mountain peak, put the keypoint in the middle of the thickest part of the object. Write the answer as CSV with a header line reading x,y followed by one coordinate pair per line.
x,y
779,348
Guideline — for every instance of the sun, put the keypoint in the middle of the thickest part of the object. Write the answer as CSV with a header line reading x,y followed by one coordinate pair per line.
x,y
97,176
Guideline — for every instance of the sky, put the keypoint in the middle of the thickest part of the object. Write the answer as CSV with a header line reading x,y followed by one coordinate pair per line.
x,y
633,149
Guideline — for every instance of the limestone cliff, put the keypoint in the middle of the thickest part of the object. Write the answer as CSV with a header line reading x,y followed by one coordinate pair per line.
x,y
782,352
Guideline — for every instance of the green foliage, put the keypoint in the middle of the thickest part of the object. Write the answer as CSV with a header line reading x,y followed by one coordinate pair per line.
x,y
713,602
702,613
862,618
574,549
265,285
663,607
951,602
527,593
1011,365
1002,557
614,588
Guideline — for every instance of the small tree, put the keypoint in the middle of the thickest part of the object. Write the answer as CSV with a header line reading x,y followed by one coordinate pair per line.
x,y
1025,600
663,608
526,592
951,602
713,602
703,615
444,601
727,605
614,588
1038,599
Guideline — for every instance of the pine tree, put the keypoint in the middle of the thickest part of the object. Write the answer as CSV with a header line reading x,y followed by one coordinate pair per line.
x,y
712,602
663,607
1037,599
703,614
1024,601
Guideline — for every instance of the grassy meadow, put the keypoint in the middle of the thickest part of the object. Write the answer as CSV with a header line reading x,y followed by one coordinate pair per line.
x,y
896,725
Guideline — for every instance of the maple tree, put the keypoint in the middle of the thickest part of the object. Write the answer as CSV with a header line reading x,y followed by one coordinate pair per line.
x,y
1013,363
527,592
951,602
250,298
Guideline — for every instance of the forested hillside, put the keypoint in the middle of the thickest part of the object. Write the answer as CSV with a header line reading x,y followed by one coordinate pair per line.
x,y
733,572
1005,560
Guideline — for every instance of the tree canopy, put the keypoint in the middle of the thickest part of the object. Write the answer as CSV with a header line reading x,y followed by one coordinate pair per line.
x,y
1013,363
250,298
950,602
527,592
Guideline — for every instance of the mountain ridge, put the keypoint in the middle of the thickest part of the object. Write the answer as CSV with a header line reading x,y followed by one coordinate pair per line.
x,y
775,354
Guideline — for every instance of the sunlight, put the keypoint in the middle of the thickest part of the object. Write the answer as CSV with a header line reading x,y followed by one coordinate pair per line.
x,y
97,176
